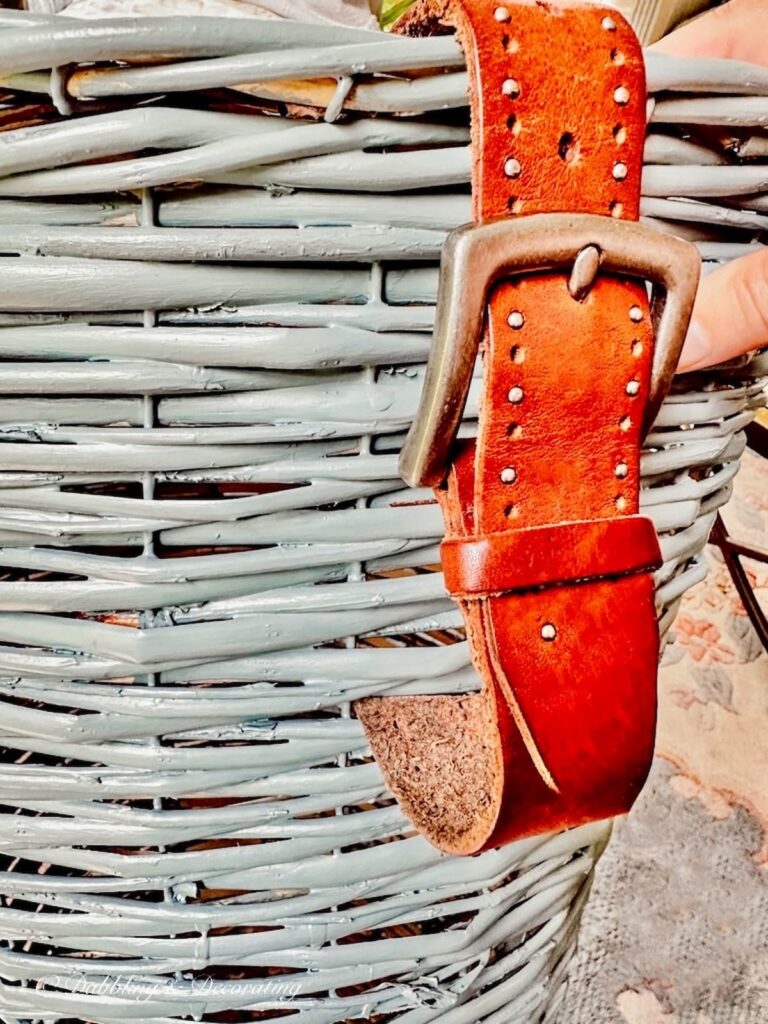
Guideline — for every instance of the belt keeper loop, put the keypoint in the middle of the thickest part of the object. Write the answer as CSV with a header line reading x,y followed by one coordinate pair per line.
x,y
547,556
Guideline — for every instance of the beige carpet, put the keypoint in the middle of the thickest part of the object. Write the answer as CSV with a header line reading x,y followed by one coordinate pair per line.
x,y
676,931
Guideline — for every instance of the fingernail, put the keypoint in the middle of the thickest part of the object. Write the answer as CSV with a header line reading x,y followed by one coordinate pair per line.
x,y
697,350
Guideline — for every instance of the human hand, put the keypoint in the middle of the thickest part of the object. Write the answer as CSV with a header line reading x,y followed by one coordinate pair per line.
x,y
730,315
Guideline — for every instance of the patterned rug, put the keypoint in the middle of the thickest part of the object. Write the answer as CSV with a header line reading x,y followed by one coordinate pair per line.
x,y
676,931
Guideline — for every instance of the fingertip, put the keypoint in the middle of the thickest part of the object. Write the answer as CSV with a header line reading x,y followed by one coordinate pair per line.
x,y
698,350
730,315
733,31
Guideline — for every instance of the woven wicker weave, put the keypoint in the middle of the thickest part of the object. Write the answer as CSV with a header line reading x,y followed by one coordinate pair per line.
x,y
214,325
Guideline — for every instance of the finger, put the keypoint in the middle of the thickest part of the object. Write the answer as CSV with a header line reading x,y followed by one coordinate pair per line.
x,y
736,31
730,315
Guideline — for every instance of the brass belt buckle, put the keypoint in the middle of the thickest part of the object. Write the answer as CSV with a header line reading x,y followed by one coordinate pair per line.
x,y
477,256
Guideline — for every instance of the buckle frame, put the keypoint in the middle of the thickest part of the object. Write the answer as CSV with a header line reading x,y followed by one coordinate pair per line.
x,y
476,257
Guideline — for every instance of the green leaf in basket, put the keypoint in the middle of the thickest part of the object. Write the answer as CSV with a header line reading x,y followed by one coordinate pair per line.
x,y
391,10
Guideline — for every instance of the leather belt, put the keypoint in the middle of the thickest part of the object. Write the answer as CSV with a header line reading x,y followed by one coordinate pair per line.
x,y
544,550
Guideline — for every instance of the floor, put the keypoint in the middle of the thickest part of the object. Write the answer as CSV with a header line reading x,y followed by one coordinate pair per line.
x,y
676,931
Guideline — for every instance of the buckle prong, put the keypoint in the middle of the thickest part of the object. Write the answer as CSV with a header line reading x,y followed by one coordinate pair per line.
x,y
584,272
477,256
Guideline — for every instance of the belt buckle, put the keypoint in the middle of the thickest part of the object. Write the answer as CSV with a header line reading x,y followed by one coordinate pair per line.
x,y
478,256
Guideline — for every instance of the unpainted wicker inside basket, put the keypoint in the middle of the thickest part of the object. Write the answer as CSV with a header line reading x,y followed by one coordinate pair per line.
x,y
217,302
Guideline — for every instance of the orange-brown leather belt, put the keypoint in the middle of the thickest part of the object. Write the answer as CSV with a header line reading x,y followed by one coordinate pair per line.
x,y
544,550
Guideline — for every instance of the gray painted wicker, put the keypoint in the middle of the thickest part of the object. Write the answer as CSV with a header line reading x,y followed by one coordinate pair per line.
x,y
214,324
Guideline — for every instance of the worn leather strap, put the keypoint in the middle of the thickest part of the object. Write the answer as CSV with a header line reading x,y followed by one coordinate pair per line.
x,y
546,556
567,642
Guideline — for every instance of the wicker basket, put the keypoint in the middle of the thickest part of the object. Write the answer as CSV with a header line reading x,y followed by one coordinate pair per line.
x,y
214,325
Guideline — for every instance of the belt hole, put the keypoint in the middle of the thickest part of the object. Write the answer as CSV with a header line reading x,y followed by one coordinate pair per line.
x,y
620,502
514,204
635,314
621,95
508,475
620,134
515,319
621,471
501,14
620,171
617,57
637,349
567,147
516,395
513,124
517,354
511,511
608,24
511,87
548,632
515,431
625,423
633,387
616,208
